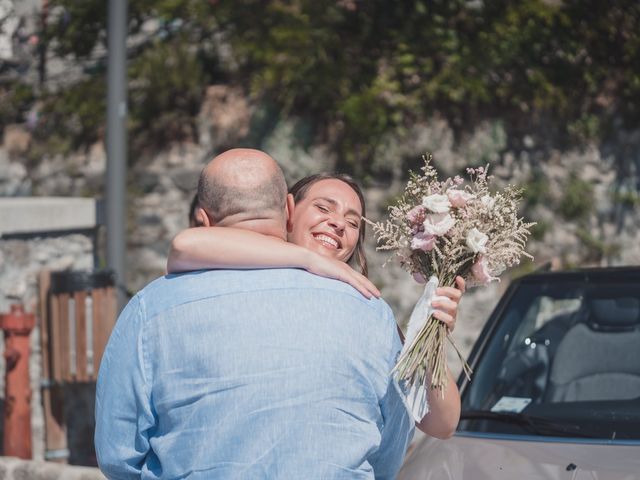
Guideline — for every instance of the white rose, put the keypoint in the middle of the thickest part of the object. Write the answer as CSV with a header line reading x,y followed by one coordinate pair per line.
x,y
436,203
438,224
477,241
488,201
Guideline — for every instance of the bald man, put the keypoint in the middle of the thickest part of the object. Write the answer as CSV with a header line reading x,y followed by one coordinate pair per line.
x,y
254,374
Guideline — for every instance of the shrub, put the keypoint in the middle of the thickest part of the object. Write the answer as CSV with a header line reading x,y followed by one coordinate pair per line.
x,y
577,202
596,249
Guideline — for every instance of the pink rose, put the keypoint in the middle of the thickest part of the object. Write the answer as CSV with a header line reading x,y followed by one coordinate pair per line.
x,y
416,215
423,241
480,271
438,224
458,198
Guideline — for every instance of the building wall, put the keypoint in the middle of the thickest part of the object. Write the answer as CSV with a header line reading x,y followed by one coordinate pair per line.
x,y
23,255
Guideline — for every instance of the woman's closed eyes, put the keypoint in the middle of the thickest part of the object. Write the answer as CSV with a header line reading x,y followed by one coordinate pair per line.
x,y
326,209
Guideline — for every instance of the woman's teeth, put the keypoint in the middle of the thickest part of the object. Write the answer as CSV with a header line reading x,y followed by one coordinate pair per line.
x,y
328,240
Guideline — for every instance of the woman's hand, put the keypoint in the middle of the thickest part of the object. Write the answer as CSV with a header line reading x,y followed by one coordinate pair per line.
x,y
331,268
447,308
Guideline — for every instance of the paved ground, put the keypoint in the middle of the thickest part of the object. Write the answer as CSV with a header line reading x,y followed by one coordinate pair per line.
x,y
15,469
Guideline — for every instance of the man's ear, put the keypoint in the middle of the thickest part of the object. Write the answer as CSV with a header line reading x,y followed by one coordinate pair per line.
x,y
290,207
202,218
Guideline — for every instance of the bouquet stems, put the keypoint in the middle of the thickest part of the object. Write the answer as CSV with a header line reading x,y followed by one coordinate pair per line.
x,y
427,355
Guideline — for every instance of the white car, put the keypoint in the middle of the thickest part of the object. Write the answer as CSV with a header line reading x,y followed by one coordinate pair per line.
x,y
556,388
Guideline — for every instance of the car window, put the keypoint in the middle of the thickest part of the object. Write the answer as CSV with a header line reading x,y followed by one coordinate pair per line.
x,y
566,352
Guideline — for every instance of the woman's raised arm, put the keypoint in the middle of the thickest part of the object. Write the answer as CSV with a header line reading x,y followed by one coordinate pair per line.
x,y
227,247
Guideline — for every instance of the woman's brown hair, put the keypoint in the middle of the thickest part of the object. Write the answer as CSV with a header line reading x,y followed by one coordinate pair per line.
x,y
300,189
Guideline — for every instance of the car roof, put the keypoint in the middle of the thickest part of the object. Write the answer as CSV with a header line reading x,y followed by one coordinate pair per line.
x,y
597,274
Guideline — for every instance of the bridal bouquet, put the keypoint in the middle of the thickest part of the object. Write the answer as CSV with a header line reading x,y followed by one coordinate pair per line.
x,y
439,230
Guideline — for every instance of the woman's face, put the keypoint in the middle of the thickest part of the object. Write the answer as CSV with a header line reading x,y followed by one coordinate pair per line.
x,y
327,219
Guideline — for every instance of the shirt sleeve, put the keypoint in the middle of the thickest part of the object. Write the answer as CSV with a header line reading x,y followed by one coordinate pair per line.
x,y
398,426
123,409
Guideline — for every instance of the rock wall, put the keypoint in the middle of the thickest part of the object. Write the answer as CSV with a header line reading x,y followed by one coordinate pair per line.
x,y
584,199
21,260
162,185
38,234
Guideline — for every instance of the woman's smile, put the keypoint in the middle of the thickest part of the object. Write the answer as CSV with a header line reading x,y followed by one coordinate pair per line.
x,y
327,241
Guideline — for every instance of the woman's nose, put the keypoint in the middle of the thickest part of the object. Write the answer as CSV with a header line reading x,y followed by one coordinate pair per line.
x,y
337,224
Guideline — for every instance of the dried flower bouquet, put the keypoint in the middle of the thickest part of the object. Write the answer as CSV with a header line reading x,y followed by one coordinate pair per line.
x,y
439,230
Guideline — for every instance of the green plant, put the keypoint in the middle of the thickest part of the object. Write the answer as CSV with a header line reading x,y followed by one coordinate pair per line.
x,y
596,249
360,70
74,116
48,146
628,198
539,230
166,99
535,191
15,99
585,128
577,201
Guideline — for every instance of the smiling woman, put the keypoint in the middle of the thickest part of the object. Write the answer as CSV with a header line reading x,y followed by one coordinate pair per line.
x,y
327,217
325,231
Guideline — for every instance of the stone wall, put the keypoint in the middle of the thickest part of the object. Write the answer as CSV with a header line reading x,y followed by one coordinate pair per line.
x,y
162,185
25,250
15,469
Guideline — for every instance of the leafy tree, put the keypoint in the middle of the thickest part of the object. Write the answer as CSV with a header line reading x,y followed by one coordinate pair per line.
x,y
360,69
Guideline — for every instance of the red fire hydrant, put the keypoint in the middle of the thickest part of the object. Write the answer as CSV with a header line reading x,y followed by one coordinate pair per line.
x,y
17,326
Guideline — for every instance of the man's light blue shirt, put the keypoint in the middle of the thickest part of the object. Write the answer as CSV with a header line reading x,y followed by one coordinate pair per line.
x,y
262,374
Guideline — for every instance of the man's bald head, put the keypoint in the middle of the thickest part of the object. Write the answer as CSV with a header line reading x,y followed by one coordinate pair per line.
x,y
242,185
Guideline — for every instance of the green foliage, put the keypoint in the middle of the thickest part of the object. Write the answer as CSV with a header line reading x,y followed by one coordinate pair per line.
x,y
79,28
15,98
376,66
166,99
166,69
585,128
72,117
577,202
628,198
365,69
535,191
596,249
46,147
539,230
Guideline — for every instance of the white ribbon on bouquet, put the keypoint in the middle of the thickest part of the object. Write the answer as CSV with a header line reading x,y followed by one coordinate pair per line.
x,y
417,396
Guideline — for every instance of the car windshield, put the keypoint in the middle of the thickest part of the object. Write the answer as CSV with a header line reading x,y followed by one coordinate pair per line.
x,y
562,359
